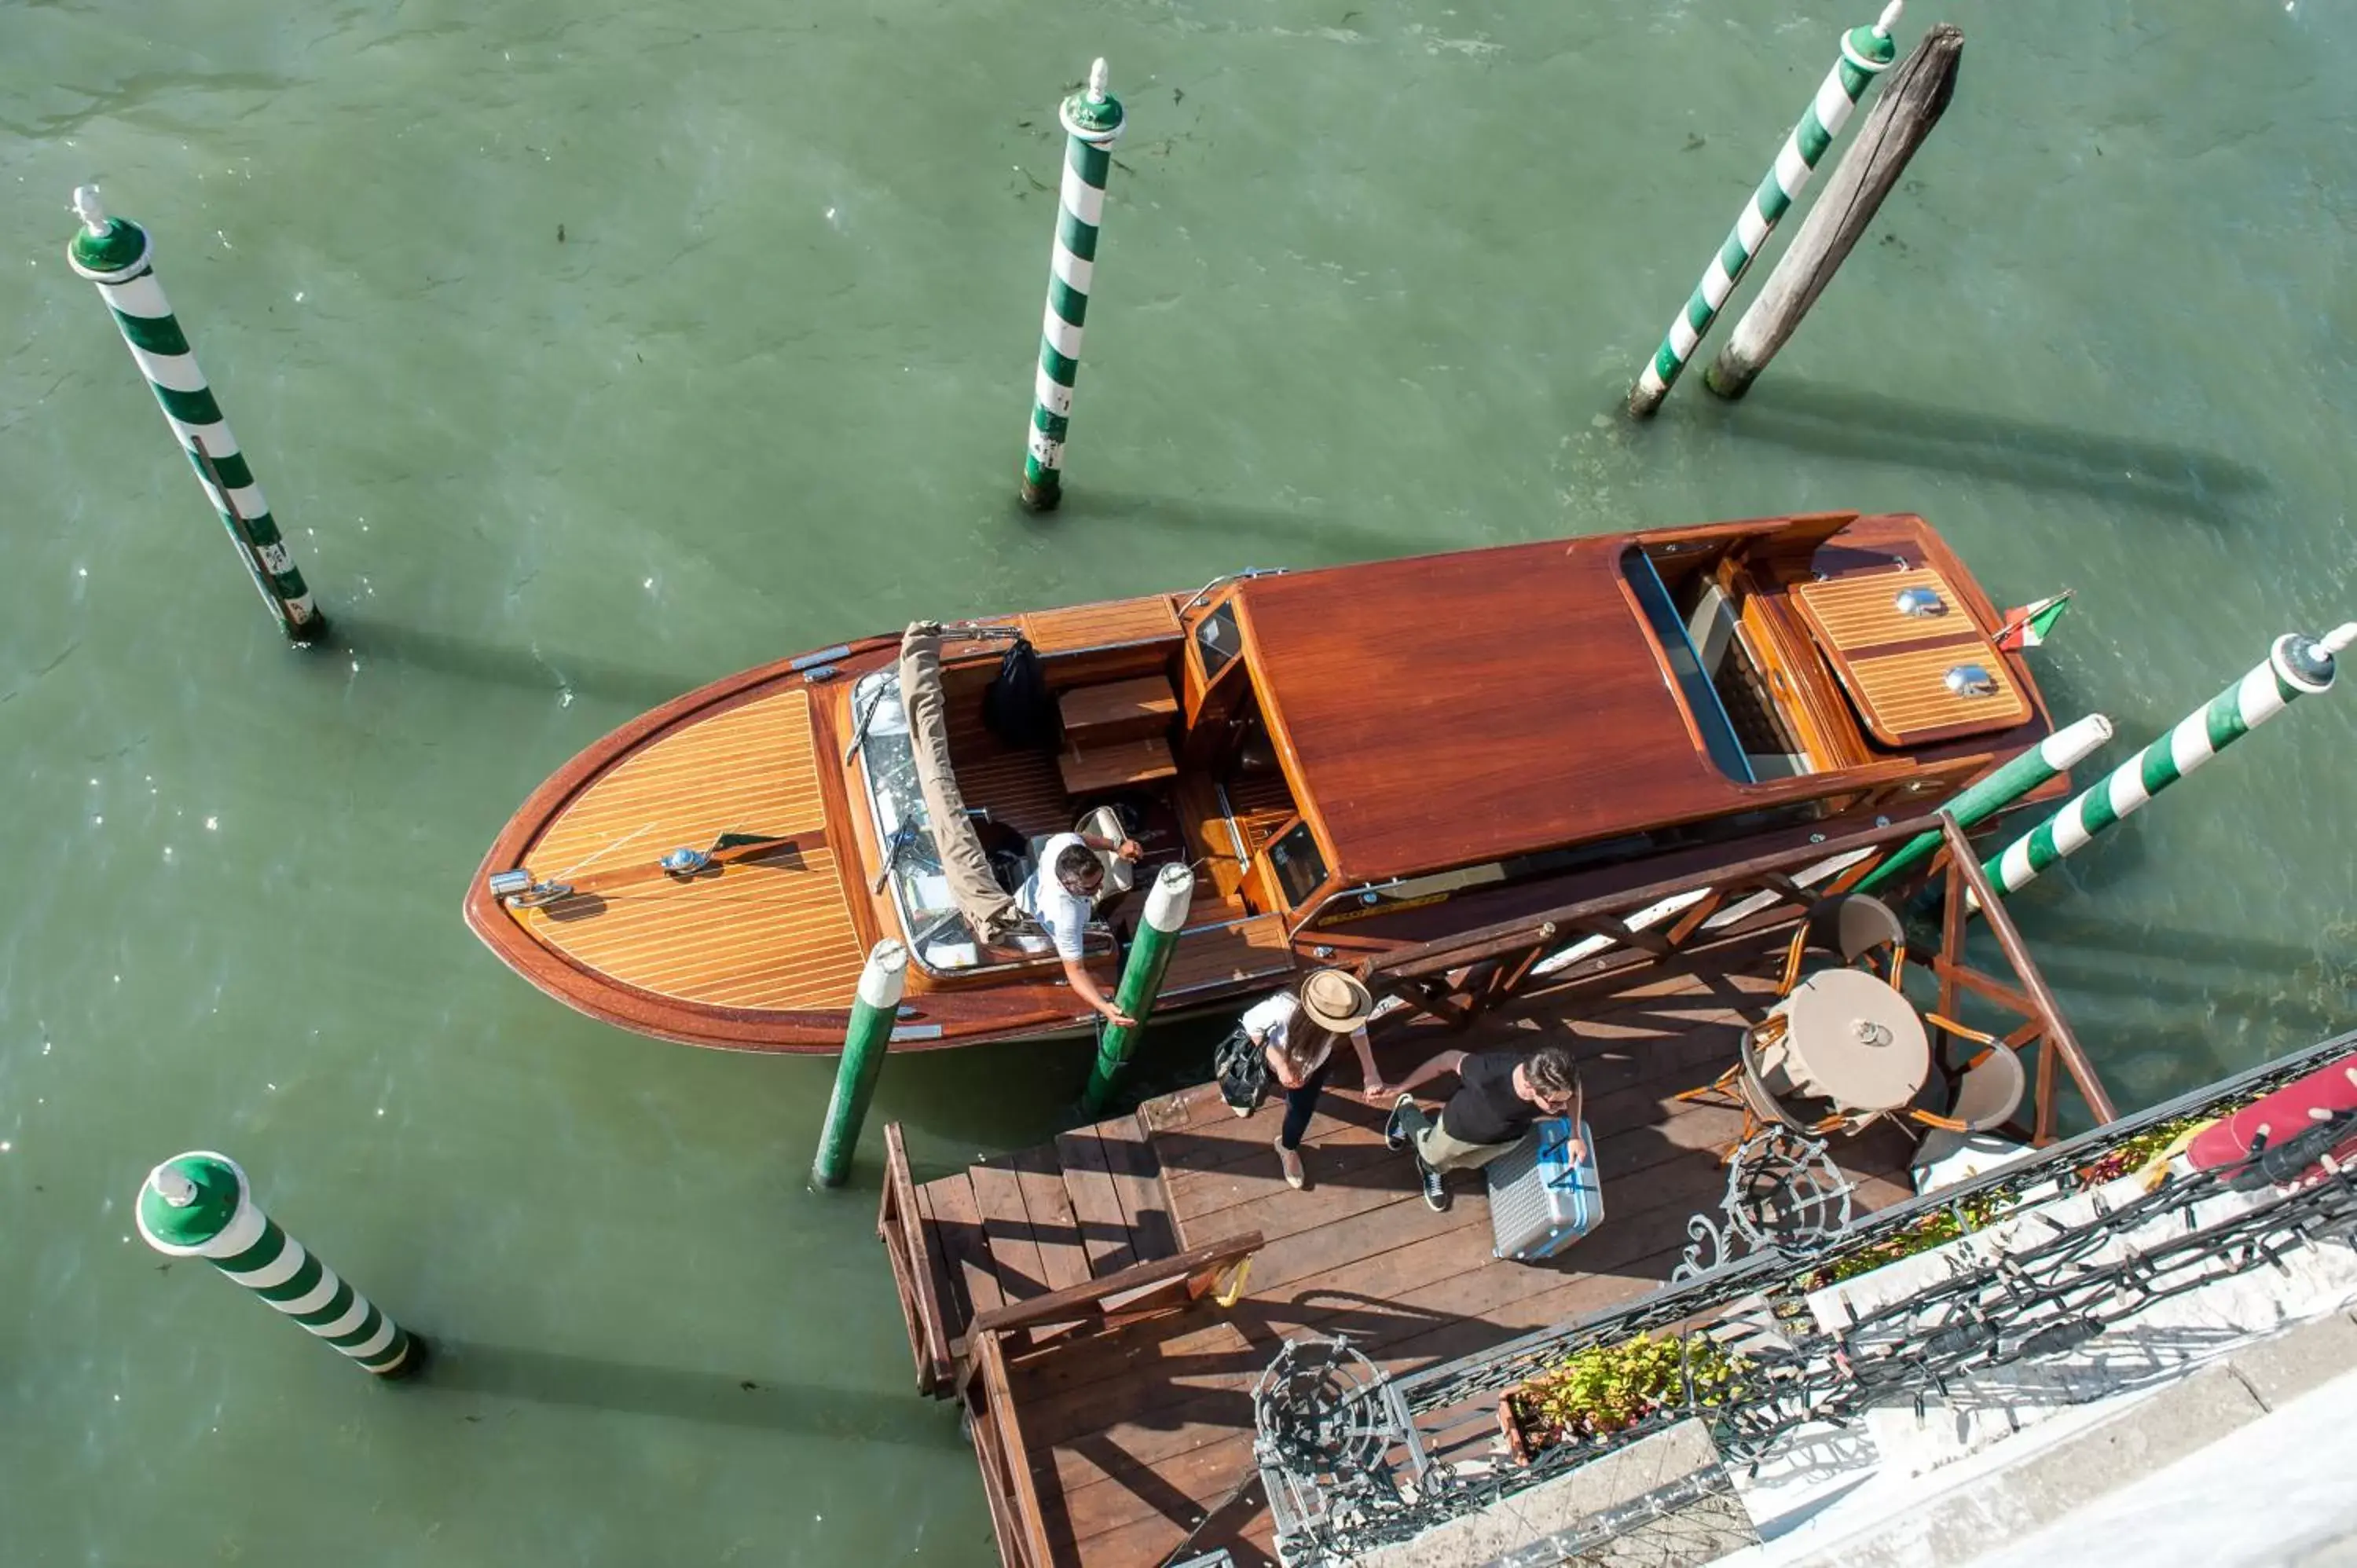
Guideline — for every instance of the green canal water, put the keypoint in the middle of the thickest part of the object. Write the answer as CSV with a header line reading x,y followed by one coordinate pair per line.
x,y
589,353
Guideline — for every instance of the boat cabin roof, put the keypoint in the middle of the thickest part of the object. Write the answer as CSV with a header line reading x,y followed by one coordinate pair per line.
x,y
1449,710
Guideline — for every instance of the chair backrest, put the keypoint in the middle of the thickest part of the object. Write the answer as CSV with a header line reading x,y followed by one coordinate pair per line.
x,y
1854,925
1106,823
1751,1083
1991,1089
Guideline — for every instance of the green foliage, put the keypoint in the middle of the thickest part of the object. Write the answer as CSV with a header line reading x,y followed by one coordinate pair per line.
x,y
1932,1230
2132,1155
1606,1387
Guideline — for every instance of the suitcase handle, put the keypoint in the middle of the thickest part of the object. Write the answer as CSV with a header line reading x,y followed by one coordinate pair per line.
x,y
1569,1180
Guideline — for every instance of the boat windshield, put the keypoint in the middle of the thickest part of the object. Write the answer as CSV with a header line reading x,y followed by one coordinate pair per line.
x,y
938,936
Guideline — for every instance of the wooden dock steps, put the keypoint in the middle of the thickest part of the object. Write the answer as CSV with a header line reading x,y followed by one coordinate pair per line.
x,y
1014,1227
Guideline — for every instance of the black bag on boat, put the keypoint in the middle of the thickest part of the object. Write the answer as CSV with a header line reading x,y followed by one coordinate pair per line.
x,y
1017,707
1241,1068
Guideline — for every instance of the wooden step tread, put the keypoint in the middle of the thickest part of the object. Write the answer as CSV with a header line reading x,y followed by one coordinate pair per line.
x,y
1119,710
1090,771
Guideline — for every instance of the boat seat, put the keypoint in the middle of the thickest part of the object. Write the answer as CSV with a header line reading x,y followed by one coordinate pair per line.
x,y
1710,628
1119,710
1104,823
1122,765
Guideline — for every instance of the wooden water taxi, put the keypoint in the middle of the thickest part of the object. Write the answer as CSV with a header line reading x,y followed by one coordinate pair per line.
x,y
1356,759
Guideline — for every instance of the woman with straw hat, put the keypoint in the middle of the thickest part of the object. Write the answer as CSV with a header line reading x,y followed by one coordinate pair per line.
x,y
1292,1035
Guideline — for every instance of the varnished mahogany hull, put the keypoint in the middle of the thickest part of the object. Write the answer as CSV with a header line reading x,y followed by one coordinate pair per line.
x,y
768,962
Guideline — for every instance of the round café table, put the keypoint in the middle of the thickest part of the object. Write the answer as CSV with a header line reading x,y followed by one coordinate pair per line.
x,y
1852,1039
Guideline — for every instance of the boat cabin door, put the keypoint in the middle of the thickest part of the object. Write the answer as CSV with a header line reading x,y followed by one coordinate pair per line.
x,y
1258,847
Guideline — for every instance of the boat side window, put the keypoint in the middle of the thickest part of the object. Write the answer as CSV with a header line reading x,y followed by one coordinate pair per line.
x,y
1300,870
1218,642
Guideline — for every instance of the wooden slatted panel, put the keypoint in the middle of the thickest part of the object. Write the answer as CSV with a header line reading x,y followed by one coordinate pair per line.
x,y
1101,625
1007,1229
1096,1206
1863,611
772,930
1054,1228
747,770
1138,1178
1906,699
1229,953
958,1224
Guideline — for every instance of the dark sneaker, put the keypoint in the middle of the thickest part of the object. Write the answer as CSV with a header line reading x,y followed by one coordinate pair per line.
x,y
1396,1135
1436,1191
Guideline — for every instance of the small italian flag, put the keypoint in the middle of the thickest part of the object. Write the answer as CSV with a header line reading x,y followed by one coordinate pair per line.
x,y
2028,627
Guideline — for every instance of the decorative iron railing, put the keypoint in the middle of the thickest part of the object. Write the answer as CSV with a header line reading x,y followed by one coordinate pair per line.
x,y
2040,1297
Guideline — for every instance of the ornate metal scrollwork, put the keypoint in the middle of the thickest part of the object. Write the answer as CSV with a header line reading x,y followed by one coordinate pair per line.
x,y
1784,1191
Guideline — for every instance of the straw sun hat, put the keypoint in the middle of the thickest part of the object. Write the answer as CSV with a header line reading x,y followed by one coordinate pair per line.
x,y
1335,999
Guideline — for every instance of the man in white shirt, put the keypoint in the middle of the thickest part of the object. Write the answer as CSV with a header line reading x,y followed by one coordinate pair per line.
x,y
1062,893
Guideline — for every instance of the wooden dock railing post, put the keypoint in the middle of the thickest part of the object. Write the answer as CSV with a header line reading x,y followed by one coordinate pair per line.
x,y
200,1206
1141,981
865,1045
1912,102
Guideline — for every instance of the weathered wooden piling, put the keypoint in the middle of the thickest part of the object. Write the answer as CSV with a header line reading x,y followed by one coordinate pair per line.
x,y
866,1043
1141,981
2058,753
2296,667
1093,121
1913,98
200,1206
1866,53
117,255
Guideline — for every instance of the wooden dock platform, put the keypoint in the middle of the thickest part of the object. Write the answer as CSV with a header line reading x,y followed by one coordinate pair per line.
x,y
1069,1295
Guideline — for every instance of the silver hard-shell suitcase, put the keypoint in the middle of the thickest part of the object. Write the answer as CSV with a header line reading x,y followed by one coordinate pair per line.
x,y
1540,1202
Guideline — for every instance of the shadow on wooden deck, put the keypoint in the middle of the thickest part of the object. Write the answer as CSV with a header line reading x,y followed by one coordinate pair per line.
x,y
1135,1434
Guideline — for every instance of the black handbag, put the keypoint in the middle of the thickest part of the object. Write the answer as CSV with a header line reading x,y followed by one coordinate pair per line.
x,y
1241,1068
1016,707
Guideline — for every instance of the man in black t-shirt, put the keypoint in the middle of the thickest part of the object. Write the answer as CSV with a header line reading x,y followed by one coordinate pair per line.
x,y
1499,1095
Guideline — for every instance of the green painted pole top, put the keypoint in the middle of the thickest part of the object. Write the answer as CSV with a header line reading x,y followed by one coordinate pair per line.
x,y
189,1199
107,249
1093,113
1871,48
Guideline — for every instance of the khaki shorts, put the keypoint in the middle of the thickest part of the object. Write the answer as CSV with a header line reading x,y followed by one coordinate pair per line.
x,y
1436,1148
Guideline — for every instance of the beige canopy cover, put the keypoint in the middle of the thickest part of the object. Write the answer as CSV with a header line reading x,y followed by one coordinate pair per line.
x,y
985,906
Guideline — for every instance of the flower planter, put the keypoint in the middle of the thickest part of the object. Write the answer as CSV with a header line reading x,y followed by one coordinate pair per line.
x,y
1600,1393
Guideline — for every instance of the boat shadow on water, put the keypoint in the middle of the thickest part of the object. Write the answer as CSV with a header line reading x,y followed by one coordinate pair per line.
x,y
480,1373
366,637
2125,470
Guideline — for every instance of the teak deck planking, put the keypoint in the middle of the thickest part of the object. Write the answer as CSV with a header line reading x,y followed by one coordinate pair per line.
x,y
772,930
1133,1434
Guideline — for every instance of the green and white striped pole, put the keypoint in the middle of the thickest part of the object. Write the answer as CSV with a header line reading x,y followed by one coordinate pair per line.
x,y
2058,753
1866,53
117,255
865,1045
2296,667
1141,981
200,1206
1092,124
